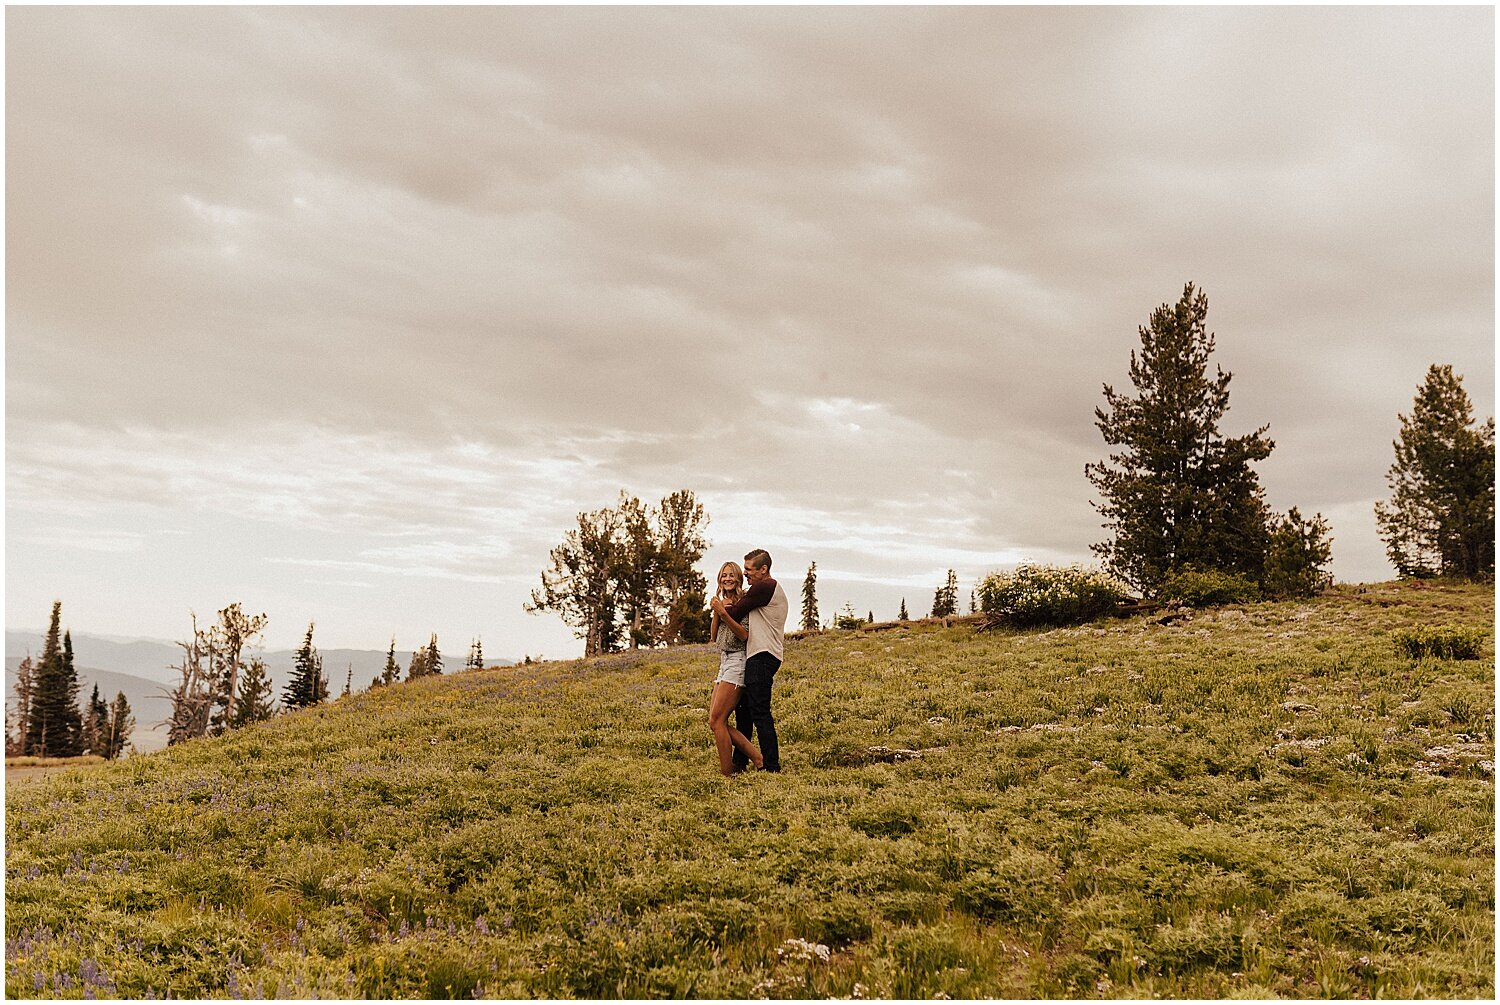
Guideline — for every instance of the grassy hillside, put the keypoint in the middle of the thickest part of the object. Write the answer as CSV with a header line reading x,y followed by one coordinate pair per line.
x,y
1255,801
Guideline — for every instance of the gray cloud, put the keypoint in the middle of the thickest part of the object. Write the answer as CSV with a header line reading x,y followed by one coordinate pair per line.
x,y
369,269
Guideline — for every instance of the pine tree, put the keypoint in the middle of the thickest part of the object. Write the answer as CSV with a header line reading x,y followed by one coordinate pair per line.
x,y
392,672
945,600
53,727
72,716
253,703
902,616
579,584
308,685
478,653
1296,555
635,569
810,598
119,724
434,658
418,666
1178,495
680,591
15,737
1441,516
349,681
228,638
95,721
973,602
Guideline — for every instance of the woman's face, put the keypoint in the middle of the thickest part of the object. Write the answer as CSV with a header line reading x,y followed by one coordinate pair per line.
x,y
728,582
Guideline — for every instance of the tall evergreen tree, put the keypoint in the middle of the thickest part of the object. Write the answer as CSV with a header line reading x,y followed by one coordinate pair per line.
x,y
119,724
1178,494
475,659
308,686
578,584
1440,519
901,616
434,657
254,702
810,619
54,720
72,715
680,591
635,573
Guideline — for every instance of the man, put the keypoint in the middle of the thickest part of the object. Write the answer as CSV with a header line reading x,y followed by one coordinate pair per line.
x,y
765,606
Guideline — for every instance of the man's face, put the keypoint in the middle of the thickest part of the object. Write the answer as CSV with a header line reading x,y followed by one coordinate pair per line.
x,y
755,573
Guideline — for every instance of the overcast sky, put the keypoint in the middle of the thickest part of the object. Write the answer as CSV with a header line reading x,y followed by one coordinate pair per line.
x,y
345,313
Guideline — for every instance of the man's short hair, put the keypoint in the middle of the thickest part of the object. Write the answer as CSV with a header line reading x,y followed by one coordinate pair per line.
x,y
760,558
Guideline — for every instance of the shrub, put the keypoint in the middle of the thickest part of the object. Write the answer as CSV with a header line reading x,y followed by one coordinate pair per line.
x,y
1442,643
847,619
1209,588
1049,595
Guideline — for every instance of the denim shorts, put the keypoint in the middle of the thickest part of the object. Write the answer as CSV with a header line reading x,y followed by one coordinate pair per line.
x,y
732,668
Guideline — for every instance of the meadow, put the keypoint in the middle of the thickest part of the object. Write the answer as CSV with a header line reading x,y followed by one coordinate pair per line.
x,y
1254,801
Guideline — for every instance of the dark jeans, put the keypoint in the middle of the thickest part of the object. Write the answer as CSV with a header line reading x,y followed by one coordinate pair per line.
x,y
753,713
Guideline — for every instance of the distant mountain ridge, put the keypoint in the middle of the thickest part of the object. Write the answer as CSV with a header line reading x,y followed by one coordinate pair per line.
x,y
155,660
143,670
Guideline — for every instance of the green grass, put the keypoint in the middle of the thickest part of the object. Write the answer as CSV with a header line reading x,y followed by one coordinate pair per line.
x,y
1257,801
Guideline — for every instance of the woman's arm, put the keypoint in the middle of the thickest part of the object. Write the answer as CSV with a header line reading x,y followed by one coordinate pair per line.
x,y
713,626
742,633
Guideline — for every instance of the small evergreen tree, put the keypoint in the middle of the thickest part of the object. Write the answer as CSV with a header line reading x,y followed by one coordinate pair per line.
x,y
902,615
15,737
418,666
392,672
434,658
349,681
227,640
810,598
95,720
119,724
1441,516
254,702
945,600
1298,551
308,686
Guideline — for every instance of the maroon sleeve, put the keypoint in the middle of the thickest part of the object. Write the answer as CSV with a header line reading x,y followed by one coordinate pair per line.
x,y
758,595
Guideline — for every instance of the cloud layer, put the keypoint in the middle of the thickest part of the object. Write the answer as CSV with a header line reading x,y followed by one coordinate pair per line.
x,y
416,285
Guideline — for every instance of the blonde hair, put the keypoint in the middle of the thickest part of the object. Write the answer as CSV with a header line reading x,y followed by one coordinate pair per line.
x,y
739,579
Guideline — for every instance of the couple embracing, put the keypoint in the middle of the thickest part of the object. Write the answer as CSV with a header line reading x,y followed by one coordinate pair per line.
x,y
748,626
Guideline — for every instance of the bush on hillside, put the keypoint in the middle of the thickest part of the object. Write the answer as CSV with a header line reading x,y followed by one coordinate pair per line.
x,y
1440,642
1209,588
1050,595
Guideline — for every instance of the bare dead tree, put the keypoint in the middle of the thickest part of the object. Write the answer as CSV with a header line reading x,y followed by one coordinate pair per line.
x,y
192,698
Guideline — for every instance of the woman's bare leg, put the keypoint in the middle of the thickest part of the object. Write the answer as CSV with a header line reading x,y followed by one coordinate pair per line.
x,y
726,737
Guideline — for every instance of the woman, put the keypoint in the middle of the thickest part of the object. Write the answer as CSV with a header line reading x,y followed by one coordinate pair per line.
x,y
730,637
